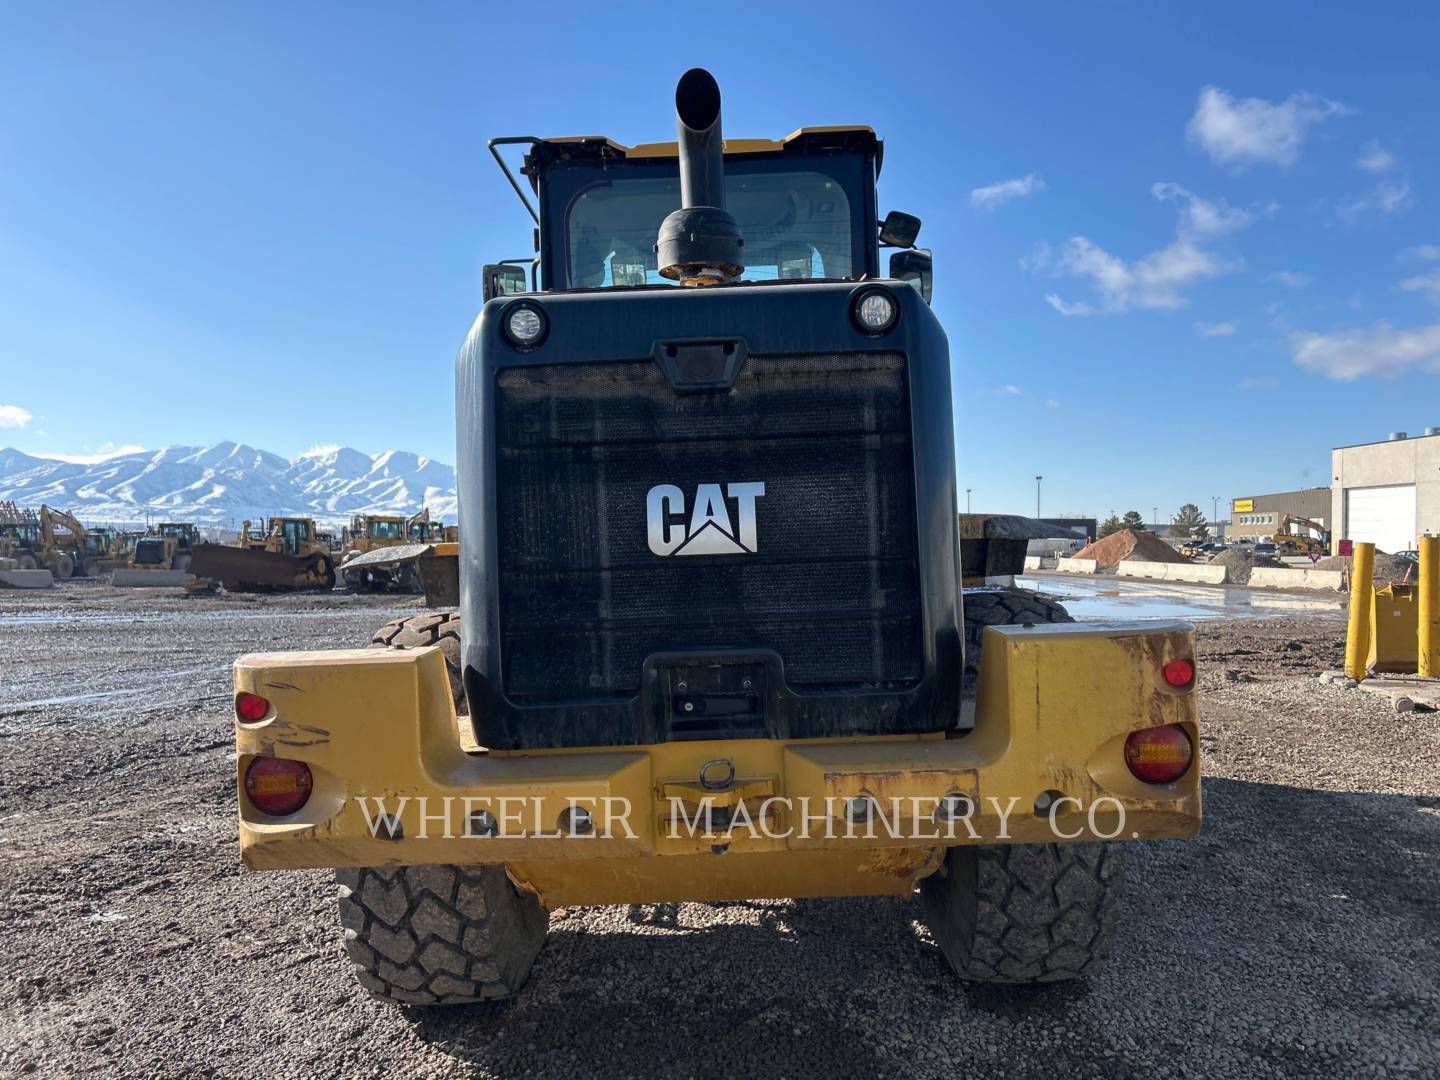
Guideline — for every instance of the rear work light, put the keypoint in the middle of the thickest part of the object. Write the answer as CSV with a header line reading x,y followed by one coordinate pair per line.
x,y
1159,755
251,708
278,786
1179,673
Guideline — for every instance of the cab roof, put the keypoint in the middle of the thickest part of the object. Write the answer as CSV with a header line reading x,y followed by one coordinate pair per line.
x,y
545,153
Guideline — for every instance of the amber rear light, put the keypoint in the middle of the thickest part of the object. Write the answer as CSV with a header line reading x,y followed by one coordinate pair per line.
x,y
1179,673
278,786
251,707
1159,755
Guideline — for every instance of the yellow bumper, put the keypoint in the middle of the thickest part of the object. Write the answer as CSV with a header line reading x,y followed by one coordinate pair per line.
x,y
394,784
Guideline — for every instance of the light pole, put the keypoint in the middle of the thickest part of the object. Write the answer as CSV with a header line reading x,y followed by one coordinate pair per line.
x,y
967,500
1214,508
1037,495
1155,517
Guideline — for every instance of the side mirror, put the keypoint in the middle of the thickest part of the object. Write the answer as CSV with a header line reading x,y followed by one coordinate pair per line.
x,y
915,268
503,279
899,230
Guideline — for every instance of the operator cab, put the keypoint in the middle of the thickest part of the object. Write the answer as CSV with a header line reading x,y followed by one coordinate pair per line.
x,y
805,206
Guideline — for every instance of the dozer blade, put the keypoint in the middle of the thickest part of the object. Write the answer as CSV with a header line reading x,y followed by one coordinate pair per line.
x,y
244,570
440,573
438,566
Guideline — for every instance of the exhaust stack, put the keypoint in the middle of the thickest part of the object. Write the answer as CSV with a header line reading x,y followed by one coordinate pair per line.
x,y
700,243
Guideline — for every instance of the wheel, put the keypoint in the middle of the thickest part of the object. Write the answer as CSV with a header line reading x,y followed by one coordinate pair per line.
x,y
417,630
1002,607
1025,913
63,567
439,935
180,562
25,562
1021,913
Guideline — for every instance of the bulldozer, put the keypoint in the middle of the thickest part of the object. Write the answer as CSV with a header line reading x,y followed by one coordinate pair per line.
x,y
390,552
713,625
283,556
169,545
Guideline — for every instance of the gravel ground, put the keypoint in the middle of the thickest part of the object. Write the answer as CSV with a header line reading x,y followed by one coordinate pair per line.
x,y
1295,936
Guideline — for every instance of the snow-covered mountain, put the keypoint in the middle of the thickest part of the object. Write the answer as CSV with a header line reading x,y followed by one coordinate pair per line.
x,y
228,482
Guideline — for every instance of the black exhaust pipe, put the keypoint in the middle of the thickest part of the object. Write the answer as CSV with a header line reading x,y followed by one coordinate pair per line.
x,y
700,243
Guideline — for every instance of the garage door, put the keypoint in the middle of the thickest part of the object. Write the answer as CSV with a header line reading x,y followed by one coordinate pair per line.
x,y
1383,516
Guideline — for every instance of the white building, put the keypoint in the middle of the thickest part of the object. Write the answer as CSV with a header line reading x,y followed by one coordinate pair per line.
x,y
1387,493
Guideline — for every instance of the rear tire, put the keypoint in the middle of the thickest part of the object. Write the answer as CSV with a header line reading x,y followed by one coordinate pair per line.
x,y
439,935
418,630
26,562
63,568
1021,913
1026,913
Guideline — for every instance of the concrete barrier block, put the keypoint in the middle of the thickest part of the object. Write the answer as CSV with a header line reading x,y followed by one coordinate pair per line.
x,y
1266,577
1077,566
27,579
1201,573
151,578
1032,562
1325,579
1141,568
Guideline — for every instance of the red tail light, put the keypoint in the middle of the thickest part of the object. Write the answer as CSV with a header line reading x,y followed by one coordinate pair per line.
x,y
1159,755
278,786
1179,673
251,708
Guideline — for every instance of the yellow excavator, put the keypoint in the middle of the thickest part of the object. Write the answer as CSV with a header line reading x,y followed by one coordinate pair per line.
x,y
285,556
1291,543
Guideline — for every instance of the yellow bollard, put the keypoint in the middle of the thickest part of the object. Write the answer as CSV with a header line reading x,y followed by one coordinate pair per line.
x,y
1362,602
1429,643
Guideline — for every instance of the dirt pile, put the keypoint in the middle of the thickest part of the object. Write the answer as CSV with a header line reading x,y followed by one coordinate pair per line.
x,y
1240,562
1389,569
1130,544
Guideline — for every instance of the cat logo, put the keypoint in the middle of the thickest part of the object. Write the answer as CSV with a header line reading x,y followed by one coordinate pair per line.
x,y
710,531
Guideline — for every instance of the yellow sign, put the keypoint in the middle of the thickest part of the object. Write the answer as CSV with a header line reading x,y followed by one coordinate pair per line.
x,y
1242,506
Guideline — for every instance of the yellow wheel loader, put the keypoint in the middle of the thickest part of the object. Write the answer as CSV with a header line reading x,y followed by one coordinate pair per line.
x,y
286,556
713,631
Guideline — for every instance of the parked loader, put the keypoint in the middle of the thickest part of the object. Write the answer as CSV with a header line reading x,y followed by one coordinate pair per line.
x,y
82,547
711,637
397,570
32,541
285,556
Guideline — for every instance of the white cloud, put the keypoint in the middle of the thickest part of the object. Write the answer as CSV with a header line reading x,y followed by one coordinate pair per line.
x,y
1423,252
1381,350
13,416
1376,159
991,196
1244,132
1429,284
1199,216
321,450
1052,403
1386,198
103,453
1218,329
1038,259
1290,278
1156,281
1008,390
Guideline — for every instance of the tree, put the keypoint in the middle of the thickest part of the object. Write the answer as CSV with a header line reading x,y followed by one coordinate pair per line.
x,y
1190,523
1110,525
1133,520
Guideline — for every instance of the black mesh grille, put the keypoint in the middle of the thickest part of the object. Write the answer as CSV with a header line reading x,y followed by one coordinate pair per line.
x,y
832,586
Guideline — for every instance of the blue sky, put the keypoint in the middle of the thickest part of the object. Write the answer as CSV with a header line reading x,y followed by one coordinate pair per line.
x,y
1179,253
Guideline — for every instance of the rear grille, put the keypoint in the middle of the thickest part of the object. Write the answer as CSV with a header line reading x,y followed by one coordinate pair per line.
x,y
832,587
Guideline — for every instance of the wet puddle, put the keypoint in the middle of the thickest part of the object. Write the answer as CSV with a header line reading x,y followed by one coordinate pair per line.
x,y
1112,598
